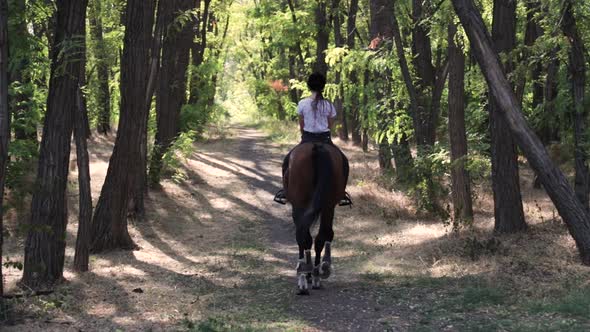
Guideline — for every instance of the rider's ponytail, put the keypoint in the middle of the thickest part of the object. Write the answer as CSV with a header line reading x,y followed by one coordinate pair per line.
x,y
316,83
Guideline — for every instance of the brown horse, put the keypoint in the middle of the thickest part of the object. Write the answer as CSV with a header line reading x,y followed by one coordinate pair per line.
x,y
314,184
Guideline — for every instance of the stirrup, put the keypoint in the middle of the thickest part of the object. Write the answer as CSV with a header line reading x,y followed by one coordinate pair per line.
x,y
346,200
280,197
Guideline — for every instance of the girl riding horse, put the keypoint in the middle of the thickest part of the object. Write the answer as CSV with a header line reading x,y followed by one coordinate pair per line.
x,y
315,173
316,117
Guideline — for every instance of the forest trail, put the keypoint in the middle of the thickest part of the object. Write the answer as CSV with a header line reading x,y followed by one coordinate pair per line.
x,y
217,254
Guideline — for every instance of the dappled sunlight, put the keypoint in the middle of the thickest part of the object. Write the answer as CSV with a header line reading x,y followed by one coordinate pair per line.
x,y
214,242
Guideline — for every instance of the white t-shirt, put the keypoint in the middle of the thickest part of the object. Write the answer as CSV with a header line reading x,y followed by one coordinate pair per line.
x,y
316,121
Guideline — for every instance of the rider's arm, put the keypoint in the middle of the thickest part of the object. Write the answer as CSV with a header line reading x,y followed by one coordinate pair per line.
x,y
332,116
330,123
301,123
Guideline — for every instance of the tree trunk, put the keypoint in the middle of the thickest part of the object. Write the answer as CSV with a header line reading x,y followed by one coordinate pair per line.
x,y
85,213
401,149
355,127
508,212
571,210
4,127
577,72
297,42
461,184
198,52
549,128
339,42
322,38
293,94
110,217
81,134
426,76
171,94
103,125
45,244
381,29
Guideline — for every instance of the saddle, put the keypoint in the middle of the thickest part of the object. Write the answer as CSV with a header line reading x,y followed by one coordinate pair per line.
x,y
307,137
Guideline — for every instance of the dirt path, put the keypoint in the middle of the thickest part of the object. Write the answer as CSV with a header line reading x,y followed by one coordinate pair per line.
x,y
345,304
217,254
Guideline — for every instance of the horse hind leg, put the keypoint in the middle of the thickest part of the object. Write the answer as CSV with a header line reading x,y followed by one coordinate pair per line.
x,y
325,268
323,242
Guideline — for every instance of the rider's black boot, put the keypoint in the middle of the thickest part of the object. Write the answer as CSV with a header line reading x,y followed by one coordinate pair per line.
x,y
346,200
281,197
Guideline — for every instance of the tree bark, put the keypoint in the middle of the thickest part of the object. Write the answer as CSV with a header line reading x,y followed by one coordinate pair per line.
x,y
577,74
508,211
381,30
85,213
569,207
339,42
171,94
110,217
355,126
461,183
298,42
198,52
426,77
103,96
45,244
81,134
4,126
549,128
322,38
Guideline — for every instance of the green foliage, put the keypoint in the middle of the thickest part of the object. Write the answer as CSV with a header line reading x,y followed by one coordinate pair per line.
x,y
430,168
181,149
195,117
19,171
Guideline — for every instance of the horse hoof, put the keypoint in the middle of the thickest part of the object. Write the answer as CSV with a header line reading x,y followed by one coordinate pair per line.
x,y
325,270
303,292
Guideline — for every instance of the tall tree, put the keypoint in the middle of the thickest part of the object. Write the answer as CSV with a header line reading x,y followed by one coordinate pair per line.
x,y
322,37
571,210
508,212
45,244
577,73
171,94
4,126
81,134
198,50
381,32
298,50
430,78
461,188
339,42
103,125
351,32
110,217
85,199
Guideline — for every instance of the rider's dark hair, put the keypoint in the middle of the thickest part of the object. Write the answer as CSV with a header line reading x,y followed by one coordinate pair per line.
x,y
316,83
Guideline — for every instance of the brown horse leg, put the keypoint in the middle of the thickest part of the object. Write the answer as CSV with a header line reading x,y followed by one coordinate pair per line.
x,y
302,233
324,238
325,234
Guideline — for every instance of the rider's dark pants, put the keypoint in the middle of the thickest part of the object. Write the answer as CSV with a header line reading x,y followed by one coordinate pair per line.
x,y
323,138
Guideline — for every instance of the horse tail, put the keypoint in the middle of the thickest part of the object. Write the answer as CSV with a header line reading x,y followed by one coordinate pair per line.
x,y
322,166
